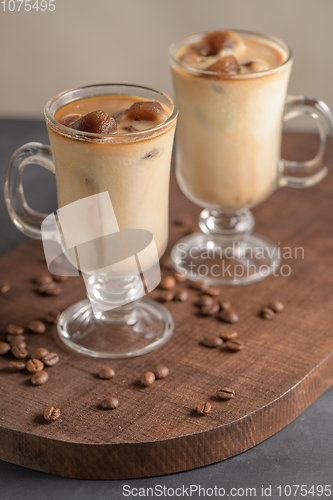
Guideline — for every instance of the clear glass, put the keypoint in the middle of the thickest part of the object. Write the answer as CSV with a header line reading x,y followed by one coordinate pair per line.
x,y
133,170
228,160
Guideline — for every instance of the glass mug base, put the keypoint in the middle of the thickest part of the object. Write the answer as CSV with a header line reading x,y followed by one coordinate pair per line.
x,y
142,328
215,261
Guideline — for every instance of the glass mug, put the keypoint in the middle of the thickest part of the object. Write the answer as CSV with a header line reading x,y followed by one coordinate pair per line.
x,y
111,224
228,160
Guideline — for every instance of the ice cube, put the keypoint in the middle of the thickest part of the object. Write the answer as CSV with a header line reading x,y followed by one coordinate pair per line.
x,y
96,122
192,58
69,119
256,66
215,41
146,111
226,65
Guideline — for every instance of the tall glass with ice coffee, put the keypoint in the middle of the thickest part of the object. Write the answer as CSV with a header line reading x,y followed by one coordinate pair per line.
x,y
231,90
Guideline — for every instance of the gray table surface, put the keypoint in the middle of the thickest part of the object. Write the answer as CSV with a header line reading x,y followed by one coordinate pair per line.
x,y
300,454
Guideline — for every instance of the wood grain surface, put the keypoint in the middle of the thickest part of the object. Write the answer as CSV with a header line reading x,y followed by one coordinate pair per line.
x,y
285,365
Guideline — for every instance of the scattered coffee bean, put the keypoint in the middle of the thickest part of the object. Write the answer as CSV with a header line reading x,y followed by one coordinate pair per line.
x,y
225,393
18,342
267,313
166,296
15,329
229,316
50,359
36,326
199,285
4,348
53,292
210,310
168,283
39,353
52,316
16,366
213,292
225,304
34,365
110,403
106,373
181,296
11,338
228,335
212,341
44,287
205,301
59,278
234,345
5,287
166,262
161,371
184,221
203,408
148,379
276,306
180,278
43,279
19,352
51,414
39,378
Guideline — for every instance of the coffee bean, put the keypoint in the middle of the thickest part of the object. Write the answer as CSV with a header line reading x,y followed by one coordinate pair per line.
x,y
39,378
39,353
44,287
213,292
229,316
59,278
199,285
212,341
161,371
19,352
16,366
36,326
106,373
166,296
168,283
181,296
148,379
52,316
225,304
276,306
34,365
110,403
43,279
234,345
180,278
225,393
267,313
50,359
15,329
5,287
205,300
18,342
53,292
166,262
203,408
51,414
184,221
4,348
210,310
11,338
228,335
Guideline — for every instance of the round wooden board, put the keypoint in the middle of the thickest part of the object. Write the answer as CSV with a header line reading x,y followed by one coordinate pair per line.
x,y
285,365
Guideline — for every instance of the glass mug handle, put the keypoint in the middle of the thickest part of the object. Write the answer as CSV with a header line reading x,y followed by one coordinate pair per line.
x,y
308,173
25,218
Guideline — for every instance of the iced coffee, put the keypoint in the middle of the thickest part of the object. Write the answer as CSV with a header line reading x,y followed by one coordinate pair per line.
x,y
230,88
121,144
